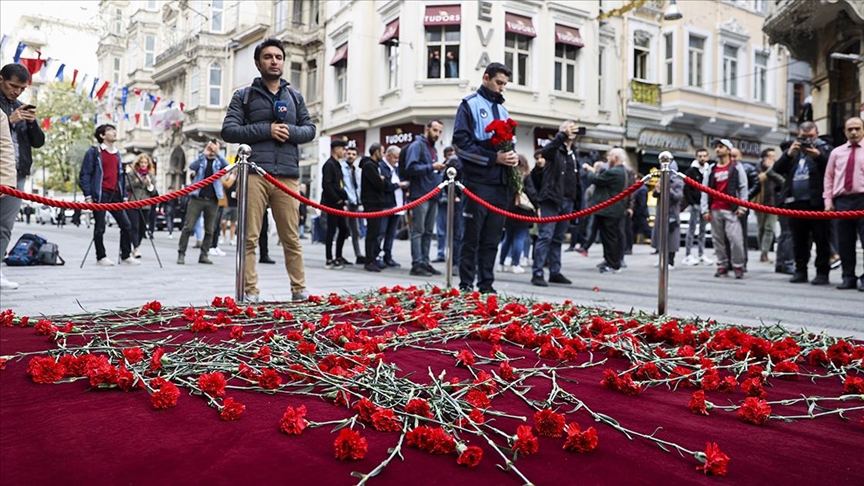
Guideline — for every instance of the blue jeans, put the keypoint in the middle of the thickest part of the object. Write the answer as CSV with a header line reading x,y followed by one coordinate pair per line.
x,y
422,231
387,235
550,238
514,244
482,235
441,229
695,218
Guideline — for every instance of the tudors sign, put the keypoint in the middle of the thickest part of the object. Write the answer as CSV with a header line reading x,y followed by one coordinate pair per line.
x,y
400,135
518,24
439,15
672,141
356,139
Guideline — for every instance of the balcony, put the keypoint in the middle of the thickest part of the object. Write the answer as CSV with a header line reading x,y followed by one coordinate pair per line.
x,y
644,93
796,24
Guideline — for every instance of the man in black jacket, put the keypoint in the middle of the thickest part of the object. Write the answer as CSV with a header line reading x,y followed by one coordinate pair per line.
x,y
374,194
271,117
557,194
803,166
333,195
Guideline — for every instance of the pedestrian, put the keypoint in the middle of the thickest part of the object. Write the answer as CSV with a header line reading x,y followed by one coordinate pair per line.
x,y
374,189
641,229
8,177
768,184
486,173
203,202
676,194
334,195
608,184
140,186
844,191
421,166
229,212
389,169
516,231
275,142
729,177
352,188
441,219
697,171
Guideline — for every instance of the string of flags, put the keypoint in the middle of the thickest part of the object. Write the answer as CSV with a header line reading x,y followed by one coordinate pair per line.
x,y
96,88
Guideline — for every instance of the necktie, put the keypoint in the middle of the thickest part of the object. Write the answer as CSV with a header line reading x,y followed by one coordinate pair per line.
x,y
850,170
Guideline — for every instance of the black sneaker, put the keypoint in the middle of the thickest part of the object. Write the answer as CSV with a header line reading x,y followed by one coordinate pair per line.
x,y
361,260
372,267
392,263
419,271
267,260
820,280
488,290
431,269
799,277
539,281
559,279
343,262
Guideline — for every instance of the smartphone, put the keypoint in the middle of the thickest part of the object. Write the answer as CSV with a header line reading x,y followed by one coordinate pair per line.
x,y
580,131
29,107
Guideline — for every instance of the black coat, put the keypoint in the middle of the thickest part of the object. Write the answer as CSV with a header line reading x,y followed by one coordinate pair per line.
x,y
554,187
786,166
29,136
374,189
332,186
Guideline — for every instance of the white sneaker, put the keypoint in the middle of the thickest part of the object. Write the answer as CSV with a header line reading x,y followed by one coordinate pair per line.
x,y
7,284
213,252
232,242
504,268
136,253
656,264
170,236
517,269
105,262
671,267
253,298
221,252
707,261
129,261
691,260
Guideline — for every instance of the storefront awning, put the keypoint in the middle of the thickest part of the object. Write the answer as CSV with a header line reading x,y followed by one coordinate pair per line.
x,y
439,15
355,139
391,32
518,24
400,135
341,54
568,35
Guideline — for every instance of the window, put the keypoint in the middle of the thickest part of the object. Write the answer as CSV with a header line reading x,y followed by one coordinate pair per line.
x,y
280,23
297,13
695,60
798,96
116,75
149,50
516,50
215,85
565,67
640,55
313,13
670,73
312,81
759,6
760,78
151,4
296,74
601,69
118,21
442,39
194,84
341,81
148,105
730,70
217,7
392,53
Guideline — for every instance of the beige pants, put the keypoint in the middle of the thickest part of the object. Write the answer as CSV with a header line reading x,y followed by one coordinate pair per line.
x,y
286,214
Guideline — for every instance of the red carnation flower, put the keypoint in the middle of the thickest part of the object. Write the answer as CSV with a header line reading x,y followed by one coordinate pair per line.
x,y
440,442
549,423
101,371
236,332
366,409
307,348
156,359
817,357
506,371
853,385
269,379
45,370
715,461
292,421
526,444
126,380
579,441
212,383
166,396
418,437
470,457
350,445
133,355
231,410
787,367
478,399
385,420
418,406
754,411
728,384
753,388
465,358
697,403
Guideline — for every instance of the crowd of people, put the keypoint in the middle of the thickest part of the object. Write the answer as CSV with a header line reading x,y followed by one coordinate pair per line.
x,y
271,117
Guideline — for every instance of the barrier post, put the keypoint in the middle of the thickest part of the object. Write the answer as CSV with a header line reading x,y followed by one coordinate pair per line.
x,y
451,209
662,222
243,151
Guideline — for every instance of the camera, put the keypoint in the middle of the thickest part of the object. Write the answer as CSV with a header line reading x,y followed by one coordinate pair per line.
x,y
805,143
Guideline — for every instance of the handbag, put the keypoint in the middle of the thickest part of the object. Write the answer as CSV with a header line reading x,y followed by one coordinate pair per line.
x,y
522,202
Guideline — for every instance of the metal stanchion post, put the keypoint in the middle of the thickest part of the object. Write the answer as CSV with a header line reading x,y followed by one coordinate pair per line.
x,y
451,204
243,151
662,220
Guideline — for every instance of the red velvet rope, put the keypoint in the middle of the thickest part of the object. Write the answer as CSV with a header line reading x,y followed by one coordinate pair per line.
x,y
349,214
792,213
113,206
560,217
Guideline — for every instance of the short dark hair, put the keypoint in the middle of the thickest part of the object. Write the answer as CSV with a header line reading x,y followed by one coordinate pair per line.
x,y
538,152
765,152
496,67
15,70
101,129
271,42
374,148
215,140
449,149
434,120
701,149
806,127
354,148
338,142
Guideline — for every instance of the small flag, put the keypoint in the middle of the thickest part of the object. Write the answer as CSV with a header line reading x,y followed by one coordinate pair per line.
x,y
74,77
59,75
83,83
101,92
124,97
18,52
43,73
155,100
46,123
93,88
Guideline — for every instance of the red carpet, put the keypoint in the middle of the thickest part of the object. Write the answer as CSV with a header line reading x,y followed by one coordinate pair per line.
x,y
71,433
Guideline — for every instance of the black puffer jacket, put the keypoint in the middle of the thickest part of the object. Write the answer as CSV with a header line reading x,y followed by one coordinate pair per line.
x,y
374,189
560,175
250,124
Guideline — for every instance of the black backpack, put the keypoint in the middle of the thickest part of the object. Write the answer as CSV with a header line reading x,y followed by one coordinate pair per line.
x,y
402,169
32,249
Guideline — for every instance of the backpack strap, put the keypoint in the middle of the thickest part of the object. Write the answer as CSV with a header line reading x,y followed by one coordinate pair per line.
x,y
248,89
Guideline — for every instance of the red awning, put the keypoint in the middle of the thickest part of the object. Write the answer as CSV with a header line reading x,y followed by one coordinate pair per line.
x,y
355,139
341,54
438,15
568,35
518,24
391,32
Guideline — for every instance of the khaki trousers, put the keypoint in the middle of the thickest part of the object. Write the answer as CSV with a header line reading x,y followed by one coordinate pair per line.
x,y
286,214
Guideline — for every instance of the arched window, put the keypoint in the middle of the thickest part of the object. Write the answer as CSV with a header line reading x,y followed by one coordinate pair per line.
x,y
215,85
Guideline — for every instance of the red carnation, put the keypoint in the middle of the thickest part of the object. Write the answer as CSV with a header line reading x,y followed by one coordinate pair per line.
x,y
549,423
787,367
269,379
166,396
753,388
465,358
817,357
156,359
309,348
418,437
478,399
292,421
45,370
385,420
212,383
349,445
697,403
754,411
101,371
236,332
365,409
526,444
440,442
715,461
231,410
579,441
728,384
853,385
418,406
133,355
471,456
126,380
506,371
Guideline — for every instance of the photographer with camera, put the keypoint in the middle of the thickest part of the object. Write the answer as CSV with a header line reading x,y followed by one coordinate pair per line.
x,y
803,166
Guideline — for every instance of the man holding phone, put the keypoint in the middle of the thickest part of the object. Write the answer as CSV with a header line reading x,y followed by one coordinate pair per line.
x,y
26,135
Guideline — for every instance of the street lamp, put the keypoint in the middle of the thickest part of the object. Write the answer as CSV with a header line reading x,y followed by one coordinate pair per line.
x,y
672,12
847,57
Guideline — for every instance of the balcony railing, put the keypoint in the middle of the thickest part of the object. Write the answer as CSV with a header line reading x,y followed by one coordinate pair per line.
x,y
172,51
645,93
